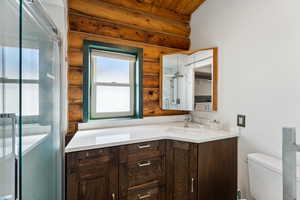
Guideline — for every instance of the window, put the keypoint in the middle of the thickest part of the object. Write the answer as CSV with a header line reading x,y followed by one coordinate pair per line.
x,y
112,81
112,84
9,79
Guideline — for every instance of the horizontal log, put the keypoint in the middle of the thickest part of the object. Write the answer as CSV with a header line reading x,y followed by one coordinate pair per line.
x,y
150,8
75,57
151,80
75,77
171,4
151,52
76,67
75,112
114,13
151,94
76,39
75,95
151,67
101,27
180,5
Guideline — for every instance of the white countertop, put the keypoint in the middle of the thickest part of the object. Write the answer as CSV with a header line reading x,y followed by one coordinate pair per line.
x,y
108,137
33,135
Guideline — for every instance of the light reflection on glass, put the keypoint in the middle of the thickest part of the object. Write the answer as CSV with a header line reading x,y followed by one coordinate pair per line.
x,y
9,72
112,70
113,99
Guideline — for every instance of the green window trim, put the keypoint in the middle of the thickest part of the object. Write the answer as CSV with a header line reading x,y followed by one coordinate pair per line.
x,y
88,46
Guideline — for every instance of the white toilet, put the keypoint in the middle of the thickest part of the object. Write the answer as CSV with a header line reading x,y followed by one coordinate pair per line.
x,y
265,174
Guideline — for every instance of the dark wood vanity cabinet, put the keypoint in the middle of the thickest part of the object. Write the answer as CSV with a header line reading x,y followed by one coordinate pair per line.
x,y
206,171
217,170
181,158
156,170
92,175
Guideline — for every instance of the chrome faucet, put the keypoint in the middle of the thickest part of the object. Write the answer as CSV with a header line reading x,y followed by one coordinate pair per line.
x,y
187,119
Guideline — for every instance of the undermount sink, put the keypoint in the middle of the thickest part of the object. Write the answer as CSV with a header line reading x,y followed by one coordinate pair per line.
x,y
192,128
190,125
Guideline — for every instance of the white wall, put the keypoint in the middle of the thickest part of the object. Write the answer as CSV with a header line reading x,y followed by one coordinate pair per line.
x,y
259,66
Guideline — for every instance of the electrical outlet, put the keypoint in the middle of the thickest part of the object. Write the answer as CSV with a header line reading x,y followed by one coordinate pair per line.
x,y
241,121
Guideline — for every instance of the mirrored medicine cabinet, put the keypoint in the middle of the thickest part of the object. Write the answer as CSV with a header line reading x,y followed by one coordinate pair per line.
x,y
189,80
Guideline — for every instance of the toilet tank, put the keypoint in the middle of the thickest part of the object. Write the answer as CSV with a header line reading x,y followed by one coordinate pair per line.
x,y
265,177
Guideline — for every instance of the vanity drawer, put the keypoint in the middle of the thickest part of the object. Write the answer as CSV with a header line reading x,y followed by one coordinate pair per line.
x,y
94,154
154,193
136,174
84,160
140,151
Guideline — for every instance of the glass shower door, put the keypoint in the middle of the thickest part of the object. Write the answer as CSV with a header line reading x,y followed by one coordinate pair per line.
x,y
9,97
40,127
30,139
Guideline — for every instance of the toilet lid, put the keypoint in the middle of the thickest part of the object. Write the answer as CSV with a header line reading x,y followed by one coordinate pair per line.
x,y
269,162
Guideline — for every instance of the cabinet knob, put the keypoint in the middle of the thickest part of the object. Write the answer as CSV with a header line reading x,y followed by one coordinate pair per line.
x,y
113,196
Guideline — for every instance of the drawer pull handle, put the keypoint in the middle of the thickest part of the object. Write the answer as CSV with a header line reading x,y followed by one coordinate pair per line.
x,y
192,186
148,195
144,164
144,146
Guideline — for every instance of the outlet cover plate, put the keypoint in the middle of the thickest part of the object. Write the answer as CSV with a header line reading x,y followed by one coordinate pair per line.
x,y
241,121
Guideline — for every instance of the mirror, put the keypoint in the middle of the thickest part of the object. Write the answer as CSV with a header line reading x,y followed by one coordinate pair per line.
x,y
189,80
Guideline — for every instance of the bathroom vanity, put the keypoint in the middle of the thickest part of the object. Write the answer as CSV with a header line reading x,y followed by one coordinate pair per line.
x,y
152,162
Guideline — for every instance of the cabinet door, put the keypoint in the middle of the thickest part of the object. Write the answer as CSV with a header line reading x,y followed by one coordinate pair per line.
x,y
217,170
181,171
92,175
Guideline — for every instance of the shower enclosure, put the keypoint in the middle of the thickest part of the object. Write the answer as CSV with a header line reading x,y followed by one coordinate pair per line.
x,y
30,136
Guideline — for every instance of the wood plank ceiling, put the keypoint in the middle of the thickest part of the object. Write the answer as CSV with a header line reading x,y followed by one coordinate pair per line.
x,y
157,26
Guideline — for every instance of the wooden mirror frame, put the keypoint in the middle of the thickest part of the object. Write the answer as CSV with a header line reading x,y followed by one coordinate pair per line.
x,y
215,75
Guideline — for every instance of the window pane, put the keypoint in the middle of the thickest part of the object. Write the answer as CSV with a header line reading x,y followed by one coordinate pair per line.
x,y
30,99
11,95
1,62
30,63
1,98
112,99
110,70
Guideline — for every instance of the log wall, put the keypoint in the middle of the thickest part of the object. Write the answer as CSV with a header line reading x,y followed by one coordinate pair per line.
x,y
150,29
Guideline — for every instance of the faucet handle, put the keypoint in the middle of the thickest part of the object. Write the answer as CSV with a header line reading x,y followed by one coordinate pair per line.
x,y
188,117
